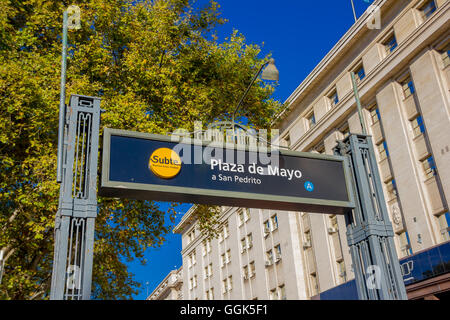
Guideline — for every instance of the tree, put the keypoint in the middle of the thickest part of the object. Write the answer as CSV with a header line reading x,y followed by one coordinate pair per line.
x,y
157,65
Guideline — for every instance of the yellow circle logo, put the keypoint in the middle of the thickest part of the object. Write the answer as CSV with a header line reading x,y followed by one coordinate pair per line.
x,y
165,163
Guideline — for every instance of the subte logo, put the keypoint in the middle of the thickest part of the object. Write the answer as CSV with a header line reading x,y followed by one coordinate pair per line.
x,y
165,163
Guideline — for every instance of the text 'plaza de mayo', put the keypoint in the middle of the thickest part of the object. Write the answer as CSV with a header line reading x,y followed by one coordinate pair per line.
x,y
403,77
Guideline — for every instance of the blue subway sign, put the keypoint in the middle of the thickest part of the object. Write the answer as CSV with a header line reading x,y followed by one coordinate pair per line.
x,y
169,168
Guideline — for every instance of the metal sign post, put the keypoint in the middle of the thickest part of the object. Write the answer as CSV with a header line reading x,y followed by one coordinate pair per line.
x,y
75,219
369,232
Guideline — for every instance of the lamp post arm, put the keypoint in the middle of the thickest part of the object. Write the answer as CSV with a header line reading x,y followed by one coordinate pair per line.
x,y
248,89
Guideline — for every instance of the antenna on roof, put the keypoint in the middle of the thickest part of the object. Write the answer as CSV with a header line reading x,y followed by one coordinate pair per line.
x,y
353,7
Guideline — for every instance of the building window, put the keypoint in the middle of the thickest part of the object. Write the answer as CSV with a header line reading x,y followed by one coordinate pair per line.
x,y
224,286
245,272
266,228
311,120
230,283
282,292
252,270
277,253
287,141
333,224
444,223
246,214
191,236
334,98
243,245
391,189
222,260
227,284
390,44
427,9
228,256
225,231
445,55
308,242
383,150
192,259
405,244
274,220
341,272
429,167
269,258
210,294
418,126
249,270
360,73
208,271
249,241
193,282
273,295
206,246
408,87
241,217
374,115
314,284
246,242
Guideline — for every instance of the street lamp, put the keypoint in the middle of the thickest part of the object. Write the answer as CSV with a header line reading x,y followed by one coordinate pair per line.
x,y
269,73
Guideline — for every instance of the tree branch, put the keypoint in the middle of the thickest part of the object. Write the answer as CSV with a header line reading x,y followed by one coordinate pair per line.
x,y
11,219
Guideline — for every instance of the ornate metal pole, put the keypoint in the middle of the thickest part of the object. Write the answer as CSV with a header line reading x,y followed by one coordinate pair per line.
x,y
75,220
369,231
78,138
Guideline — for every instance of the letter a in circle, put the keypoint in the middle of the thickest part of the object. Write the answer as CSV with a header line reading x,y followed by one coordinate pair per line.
x,y
309,186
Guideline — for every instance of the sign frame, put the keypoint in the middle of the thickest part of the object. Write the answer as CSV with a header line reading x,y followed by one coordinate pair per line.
x,y
219,197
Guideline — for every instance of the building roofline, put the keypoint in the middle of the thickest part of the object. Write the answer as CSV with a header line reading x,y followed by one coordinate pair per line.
x,y
176,272
187,218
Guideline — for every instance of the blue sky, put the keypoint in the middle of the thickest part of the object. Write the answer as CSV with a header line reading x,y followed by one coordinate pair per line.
x,y
299,34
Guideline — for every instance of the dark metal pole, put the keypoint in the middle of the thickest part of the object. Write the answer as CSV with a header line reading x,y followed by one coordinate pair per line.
x,y
62,101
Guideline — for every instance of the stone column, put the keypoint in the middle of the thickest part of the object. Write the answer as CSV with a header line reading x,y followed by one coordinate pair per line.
x,y
404,167
433,97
